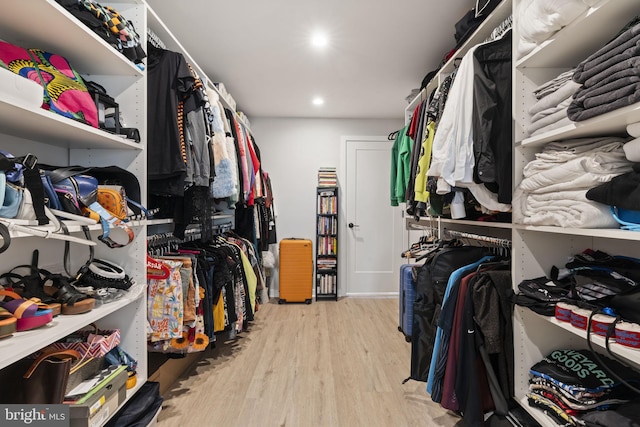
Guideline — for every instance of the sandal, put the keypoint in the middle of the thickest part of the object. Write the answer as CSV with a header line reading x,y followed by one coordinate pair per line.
x,y
28,314
30,287
7,323
73,301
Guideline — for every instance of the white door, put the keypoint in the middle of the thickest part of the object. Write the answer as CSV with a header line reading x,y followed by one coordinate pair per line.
x,y
373,230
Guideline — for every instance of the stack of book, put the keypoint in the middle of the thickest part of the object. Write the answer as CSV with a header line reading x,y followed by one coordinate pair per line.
x,y
327,177
326,263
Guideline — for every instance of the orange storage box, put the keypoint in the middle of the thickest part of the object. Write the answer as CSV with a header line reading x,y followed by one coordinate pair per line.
x,y
296,271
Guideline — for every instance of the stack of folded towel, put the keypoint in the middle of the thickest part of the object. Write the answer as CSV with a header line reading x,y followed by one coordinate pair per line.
x,y
610,77
550,111
553,190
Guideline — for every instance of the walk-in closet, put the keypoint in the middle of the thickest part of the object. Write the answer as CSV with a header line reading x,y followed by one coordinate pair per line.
x,y
336,213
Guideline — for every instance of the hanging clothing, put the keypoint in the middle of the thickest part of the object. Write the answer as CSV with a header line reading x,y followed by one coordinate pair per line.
x,y
421,192
413,130
492,145
224,183
164,304
400,166
169,82
442,339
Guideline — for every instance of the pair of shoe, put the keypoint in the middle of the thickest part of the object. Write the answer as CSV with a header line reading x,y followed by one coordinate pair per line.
x,y
18,314
49,288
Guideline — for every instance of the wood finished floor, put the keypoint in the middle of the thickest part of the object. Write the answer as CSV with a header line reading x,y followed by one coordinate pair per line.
x,y
325,364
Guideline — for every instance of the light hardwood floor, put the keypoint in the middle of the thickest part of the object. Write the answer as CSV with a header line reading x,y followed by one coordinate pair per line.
x,y
325,364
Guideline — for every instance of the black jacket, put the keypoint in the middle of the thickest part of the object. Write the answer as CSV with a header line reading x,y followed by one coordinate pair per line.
x,y
492,143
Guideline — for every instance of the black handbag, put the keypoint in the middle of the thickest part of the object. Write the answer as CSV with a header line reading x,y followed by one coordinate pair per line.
x,y
40,381
627,306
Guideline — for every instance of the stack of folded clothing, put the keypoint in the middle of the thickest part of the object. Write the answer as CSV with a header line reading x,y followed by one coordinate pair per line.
x,y
553,190
540,19
550,111
610,77
570,384
632,148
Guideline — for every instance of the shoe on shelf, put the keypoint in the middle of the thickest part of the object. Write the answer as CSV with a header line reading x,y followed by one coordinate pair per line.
x,y
29,286
29,314
8,323
60,288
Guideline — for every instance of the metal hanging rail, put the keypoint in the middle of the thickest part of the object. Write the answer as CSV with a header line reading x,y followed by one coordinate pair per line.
x,y
479,240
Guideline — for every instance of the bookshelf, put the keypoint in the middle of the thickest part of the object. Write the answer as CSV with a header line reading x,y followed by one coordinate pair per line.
x,y
327,243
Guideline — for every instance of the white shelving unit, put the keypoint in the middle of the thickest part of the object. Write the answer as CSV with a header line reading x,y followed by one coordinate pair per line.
x,y
499,14
496,229
57,140
536,249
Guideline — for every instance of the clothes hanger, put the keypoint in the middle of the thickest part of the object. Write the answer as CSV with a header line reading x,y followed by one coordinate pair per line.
x,y
393,135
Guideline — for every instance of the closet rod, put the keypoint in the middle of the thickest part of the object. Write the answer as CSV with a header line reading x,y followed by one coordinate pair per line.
x,y
155,40
501,29
432,225
494,241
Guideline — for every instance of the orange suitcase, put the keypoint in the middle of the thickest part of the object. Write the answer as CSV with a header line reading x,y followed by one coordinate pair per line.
x,y
296,271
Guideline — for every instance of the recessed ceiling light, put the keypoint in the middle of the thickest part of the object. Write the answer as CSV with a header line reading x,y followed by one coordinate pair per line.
x,y
318,101
319,40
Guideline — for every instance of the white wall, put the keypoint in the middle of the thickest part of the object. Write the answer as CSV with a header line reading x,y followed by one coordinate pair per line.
x,y
293,149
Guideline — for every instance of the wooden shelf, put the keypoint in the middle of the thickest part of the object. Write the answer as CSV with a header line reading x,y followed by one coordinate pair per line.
x,y
22,344
428,221
487,224
53,29
611,123
53,129
620,350
607,233
566,48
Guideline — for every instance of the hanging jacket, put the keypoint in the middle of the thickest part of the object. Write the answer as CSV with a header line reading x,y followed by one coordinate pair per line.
x,y
492,145
400,167
430,288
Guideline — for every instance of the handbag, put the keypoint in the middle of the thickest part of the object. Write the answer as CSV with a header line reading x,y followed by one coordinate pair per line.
x,y
40,381
64,91
21,175
627,305
78,192
10,198
94,343
114,199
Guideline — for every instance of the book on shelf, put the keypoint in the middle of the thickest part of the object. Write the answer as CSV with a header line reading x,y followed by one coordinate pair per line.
x,y
327,284
327,205
327,177
326,263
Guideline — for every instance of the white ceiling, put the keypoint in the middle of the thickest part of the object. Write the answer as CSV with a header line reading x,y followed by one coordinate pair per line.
x,y
379,50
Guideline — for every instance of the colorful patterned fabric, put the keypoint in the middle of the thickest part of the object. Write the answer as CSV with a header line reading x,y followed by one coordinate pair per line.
x,y
128,39
164,304
65,92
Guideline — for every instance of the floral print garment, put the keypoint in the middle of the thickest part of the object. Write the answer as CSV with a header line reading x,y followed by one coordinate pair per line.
x,y
165,309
